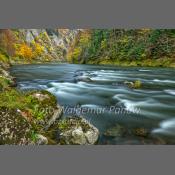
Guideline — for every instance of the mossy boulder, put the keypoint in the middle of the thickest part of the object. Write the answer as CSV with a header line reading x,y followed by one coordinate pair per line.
x,y
36,111
16,130
46,110
77,131
135,85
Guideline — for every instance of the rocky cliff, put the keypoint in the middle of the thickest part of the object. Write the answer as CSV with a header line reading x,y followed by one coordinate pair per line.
x,y
29,45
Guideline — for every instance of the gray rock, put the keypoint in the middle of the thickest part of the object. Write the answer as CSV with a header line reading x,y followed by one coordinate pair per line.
x,y
55,42
77,131
40,96
92,136
78,136
129,83
41,140
83,78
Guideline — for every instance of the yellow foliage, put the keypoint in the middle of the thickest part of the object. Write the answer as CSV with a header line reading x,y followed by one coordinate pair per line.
x,y
144,31
84,38
74,55
137,84
124,40
24,51
47,58
38,49
80,43
69,56
3,58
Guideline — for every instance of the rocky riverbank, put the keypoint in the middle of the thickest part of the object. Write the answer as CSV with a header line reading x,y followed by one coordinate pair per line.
x,y
34,118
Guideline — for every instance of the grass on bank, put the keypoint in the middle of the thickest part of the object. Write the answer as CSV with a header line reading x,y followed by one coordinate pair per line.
x,y
18,100
25,102
162,62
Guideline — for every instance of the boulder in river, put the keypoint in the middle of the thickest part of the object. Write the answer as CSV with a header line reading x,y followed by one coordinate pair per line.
x,y
135,85
141,132
129,83
77,131
83,78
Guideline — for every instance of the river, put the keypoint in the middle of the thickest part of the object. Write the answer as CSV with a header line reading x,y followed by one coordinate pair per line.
x,y
102,89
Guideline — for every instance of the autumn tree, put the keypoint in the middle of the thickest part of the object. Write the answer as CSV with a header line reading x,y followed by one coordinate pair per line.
x,y
24,51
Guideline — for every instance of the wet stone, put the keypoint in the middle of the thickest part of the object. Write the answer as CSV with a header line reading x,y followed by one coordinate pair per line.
x,y
141,132
116,131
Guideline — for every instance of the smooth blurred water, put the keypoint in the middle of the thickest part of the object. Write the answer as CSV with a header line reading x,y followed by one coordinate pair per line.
x,y
96,87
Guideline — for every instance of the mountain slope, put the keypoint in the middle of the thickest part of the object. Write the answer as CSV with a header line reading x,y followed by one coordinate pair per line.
x,y
30,45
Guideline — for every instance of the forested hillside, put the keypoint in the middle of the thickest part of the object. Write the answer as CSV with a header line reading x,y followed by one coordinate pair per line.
x,y
142,47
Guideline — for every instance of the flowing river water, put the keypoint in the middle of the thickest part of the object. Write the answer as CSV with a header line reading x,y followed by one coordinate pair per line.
x,y
106,100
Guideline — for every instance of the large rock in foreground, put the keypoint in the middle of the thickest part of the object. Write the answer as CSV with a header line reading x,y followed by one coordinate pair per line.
x,y
46,108
14,129
77,131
